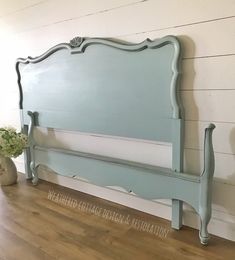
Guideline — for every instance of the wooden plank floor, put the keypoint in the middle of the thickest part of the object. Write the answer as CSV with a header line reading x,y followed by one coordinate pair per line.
x,y
32,226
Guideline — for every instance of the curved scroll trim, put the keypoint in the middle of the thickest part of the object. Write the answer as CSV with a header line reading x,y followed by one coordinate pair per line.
x,y
79,45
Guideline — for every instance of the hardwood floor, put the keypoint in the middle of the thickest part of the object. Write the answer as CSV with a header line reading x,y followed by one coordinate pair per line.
x,y
53,222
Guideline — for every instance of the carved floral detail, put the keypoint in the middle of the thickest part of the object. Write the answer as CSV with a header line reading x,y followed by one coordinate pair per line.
x,y
76,42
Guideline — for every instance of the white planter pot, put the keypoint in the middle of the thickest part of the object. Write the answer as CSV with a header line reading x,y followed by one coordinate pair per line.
x,y
8,172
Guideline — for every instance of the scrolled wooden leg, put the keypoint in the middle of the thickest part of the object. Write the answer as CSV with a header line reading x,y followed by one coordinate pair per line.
x,y
203,232
206,182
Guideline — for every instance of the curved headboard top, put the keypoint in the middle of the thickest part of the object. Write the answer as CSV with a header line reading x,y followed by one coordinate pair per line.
x,y
104,86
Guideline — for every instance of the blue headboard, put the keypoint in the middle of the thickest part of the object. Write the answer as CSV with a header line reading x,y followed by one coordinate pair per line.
x,y
105,87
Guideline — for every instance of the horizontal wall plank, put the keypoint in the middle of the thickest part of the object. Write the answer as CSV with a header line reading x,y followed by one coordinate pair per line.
x,y
208,73
124,148
195,39
160,14
45,14
223,195
11,7
223,136
224,165
209,105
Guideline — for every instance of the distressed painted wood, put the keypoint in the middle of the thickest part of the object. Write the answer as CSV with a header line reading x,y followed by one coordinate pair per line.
x,y
102,86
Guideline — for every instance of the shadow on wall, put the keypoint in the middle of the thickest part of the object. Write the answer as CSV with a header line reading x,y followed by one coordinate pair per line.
x,y
231,178
186,92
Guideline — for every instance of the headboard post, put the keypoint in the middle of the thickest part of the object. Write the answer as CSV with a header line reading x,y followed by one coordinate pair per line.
x,y
177,166
177,136
27,157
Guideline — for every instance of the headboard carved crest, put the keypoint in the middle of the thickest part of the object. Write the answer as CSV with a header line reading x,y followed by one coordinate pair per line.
x,y
76,41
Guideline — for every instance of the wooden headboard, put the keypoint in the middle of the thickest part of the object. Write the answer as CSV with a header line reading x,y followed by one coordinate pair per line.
x,y
102,86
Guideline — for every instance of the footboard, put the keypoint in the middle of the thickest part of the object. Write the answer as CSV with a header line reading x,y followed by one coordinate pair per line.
x,y
102,86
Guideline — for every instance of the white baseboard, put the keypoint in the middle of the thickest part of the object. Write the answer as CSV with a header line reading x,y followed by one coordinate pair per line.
x,y
222,223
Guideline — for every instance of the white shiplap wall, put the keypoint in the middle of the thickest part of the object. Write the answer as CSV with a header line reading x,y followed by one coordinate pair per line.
x,y
206,29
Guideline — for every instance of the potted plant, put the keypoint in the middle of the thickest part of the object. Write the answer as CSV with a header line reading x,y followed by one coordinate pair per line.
x,y
12,144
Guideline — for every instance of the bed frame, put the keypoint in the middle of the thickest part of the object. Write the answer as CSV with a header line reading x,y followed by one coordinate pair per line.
x,y
107,87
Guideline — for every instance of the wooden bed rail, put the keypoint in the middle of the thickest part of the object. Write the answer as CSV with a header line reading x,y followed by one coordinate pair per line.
x,y
194,190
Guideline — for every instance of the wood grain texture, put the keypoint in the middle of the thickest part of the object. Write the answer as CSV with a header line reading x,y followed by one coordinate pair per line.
x,y
34,227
